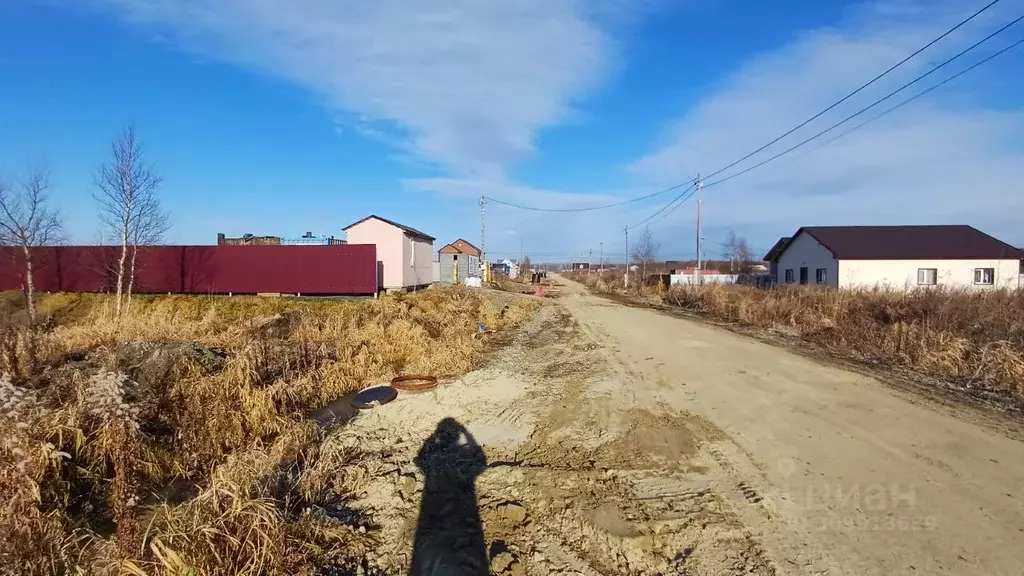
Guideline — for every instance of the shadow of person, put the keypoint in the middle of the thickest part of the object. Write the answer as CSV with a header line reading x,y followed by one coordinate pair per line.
x,y
449,535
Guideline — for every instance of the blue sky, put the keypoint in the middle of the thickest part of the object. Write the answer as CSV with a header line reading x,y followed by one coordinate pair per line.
x,y
277,118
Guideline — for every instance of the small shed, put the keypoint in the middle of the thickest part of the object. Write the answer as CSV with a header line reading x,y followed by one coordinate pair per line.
x,y
403,252
458,261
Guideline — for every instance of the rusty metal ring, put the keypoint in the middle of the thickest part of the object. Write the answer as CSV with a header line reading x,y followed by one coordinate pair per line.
x,y
403,383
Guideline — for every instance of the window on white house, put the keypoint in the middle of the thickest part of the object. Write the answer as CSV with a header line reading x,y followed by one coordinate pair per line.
x,y
820,275
927,276
984,275
789,275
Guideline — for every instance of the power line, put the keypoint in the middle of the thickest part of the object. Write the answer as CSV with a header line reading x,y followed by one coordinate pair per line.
x,y
919,95
606,206
870,106
691,189
858,90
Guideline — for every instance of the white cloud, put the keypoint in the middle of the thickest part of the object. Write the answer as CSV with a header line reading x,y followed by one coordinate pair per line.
x,y
467,83
944,158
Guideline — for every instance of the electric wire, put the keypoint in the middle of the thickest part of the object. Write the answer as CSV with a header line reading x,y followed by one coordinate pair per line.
x,y
870,106
858,90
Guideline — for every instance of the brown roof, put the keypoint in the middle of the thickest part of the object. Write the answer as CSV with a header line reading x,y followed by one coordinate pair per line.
x,y
777,249
407,229
467,243
939,242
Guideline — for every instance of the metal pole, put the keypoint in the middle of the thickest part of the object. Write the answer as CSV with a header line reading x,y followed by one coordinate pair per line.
x,y
625,277
600,259
520,253
485,271
696,271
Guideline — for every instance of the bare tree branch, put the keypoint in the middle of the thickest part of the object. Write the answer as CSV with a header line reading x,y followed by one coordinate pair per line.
x,y
737,252
26,221
129,206
645,252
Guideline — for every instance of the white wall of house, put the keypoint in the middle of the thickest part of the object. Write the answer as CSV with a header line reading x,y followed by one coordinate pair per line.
x,y
902,274
805,251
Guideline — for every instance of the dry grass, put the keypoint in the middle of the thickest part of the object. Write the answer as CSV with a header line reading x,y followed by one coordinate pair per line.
x,y
174,440
973,337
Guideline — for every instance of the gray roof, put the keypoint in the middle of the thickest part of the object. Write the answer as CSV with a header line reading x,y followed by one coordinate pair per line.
x,y
407,229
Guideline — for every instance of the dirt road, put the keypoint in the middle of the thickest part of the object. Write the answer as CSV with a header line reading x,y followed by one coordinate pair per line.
x,y
617,440
869,481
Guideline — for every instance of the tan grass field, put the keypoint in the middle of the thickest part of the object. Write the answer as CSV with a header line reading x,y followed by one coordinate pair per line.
x,y
174,440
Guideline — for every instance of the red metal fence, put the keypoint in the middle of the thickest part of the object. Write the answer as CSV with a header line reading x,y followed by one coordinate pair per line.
x,y
313,270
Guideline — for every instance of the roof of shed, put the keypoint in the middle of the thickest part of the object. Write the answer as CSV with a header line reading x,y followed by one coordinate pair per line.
x,y
933,242
407,229
468,243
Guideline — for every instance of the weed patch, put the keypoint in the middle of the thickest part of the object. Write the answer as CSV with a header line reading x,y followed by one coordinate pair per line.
x,y
175,439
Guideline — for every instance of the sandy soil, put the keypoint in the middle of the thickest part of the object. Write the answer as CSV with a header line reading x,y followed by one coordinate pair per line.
x,y
605,439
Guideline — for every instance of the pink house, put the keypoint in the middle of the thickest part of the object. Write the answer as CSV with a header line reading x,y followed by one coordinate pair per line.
x,y
404,254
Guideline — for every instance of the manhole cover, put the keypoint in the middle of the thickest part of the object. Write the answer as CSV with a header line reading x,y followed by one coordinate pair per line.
x,y
374,397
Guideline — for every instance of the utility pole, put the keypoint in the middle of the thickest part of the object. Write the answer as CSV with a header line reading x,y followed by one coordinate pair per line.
x,y
485,271
600,259
625,277
590,261
520,253
696,271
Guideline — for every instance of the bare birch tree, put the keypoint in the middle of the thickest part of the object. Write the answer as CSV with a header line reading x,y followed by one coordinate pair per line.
x,y
645,252
129,206
27,221
149,228
737,252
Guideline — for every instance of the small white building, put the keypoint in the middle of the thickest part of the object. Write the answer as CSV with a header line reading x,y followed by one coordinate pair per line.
x,y
512,266
405,256
895,257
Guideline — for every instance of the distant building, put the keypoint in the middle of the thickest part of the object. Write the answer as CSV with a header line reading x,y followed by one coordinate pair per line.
x,y
460,246
248,240
404,254
512,267
691,271
309,239
895,257
580,266
458,261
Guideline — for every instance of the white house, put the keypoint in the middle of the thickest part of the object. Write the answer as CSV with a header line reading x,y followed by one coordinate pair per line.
x,y
404,254
895,257
512,266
